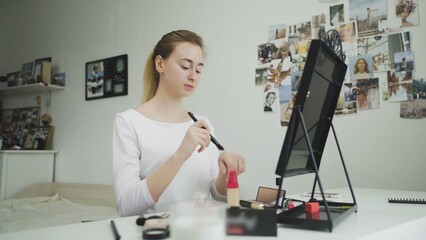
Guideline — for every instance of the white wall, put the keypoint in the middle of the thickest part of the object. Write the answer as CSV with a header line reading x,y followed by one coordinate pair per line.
x,y
381,150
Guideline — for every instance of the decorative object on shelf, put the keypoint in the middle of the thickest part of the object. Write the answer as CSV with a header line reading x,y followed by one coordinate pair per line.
x,y
106,78
15,124
59,79
46,119
12,78
3,82
27,71
38,100
38,138
38,70
46,73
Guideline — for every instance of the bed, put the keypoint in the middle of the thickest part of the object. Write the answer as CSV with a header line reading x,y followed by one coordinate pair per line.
x,y
53,204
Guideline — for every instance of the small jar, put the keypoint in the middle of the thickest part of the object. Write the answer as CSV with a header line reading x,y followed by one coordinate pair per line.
x,y
200,219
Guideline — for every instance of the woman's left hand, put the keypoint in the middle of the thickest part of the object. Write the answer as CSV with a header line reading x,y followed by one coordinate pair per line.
x,y
231,161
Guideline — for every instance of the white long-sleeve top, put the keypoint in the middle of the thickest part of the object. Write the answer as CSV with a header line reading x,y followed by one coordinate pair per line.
x,y
140,146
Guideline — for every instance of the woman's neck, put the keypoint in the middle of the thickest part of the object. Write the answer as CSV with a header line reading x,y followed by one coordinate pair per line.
x,y
164,110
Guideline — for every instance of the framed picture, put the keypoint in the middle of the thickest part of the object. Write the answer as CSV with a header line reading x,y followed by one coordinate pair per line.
x,y
12,78
59,79
38,68
27,71
16,122
3,81
38,138
106,78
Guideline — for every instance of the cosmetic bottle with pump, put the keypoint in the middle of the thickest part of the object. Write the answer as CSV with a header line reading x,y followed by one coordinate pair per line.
x,y
233,190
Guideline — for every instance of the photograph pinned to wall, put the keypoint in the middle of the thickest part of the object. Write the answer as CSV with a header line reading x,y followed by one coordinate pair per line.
x,y
337,14
287,96
398,42
261,76
271,71
286,107
59,79
406,12
27,71
279,49
107,77
378,47
419,88
38,138
367,94
37,73
279,71
404,61
367,15
270,96
400,86
390,26
300,35
415,109
348,36
383,85
349,99
277,31
360,67
318,26
264,53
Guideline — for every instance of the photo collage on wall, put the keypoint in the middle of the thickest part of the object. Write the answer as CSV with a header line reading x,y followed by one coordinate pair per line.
x,y
15,124
107,77
377,46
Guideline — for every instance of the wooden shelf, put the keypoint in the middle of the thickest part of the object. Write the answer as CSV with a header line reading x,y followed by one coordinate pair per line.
x,y
29,88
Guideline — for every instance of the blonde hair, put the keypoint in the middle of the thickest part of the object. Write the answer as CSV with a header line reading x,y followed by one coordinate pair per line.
x,y
164,48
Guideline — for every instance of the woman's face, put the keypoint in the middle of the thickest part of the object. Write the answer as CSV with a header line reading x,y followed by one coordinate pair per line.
x,y
270,99
361,65
404,15
181,71
346,32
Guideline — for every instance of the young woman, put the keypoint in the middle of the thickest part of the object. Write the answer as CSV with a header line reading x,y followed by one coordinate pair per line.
x,y
160,155
269,101
403,9
302,45
361,69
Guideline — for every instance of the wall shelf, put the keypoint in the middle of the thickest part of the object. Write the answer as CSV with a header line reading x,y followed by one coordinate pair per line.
x,y
29,88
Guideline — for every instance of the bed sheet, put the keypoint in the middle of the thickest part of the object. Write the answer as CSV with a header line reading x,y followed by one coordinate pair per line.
x,y
28,213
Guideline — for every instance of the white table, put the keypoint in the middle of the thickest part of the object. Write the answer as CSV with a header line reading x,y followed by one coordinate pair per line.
x,y
375,219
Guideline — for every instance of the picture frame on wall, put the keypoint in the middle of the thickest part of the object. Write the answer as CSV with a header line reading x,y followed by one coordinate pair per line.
x,y
107,77
37,73
38,138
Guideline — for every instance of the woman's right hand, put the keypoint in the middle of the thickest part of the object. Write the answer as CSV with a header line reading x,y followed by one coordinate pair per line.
x,y
197,135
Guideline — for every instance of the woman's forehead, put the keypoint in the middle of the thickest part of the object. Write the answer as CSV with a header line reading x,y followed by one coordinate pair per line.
x,y
190,52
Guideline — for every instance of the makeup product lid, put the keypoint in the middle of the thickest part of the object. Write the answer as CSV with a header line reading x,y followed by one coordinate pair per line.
x,y
232,179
